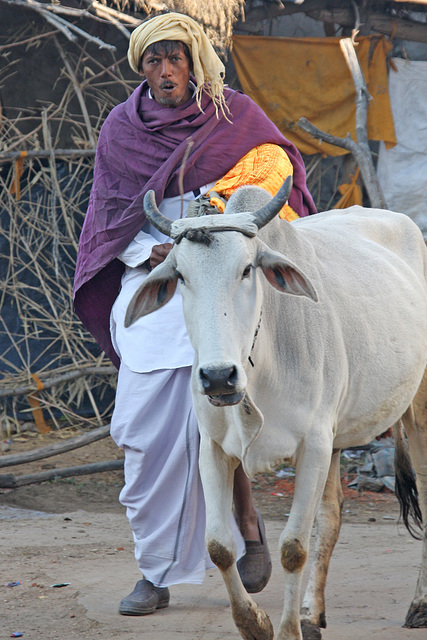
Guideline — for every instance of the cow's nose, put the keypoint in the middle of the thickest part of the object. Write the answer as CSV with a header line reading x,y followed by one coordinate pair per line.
x,y
216,381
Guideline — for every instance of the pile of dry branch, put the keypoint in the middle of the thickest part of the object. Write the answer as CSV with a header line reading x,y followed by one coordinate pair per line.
x,y
51,370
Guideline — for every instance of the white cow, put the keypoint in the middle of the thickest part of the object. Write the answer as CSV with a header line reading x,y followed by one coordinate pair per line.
x,y
293,378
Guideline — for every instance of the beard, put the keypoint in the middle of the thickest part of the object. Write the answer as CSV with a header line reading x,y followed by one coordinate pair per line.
x,y
170,102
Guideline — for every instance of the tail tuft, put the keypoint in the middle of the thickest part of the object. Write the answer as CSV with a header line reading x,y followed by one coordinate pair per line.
x,y
406,487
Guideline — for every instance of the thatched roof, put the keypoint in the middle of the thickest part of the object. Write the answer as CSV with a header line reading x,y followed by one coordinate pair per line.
x,y
216,16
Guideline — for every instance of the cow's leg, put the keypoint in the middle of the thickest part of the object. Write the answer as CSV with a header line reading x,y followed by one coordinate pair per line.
x,y
328,524
415,423
310,479
217,472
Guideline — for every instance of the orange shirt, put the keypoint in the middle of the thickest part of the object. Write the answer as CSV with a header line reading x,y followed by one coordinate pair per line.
x,y
265,166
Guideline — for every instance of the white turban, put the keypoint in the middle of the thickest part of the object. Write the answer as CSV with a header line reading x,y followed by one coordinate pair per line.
x,y
208,68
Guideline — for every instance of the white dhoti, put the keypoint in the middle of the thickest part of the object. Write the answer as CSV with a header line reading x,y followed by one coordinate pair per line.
x,y
157,429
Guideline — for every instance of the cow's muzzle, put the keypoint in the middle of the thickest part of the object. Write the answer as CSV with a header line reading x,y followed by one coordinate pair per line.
x,y
226,400
219,384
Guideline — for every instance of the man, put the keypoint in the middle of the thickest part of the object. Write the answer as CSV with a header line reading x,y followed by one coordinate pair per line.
x,y
181,135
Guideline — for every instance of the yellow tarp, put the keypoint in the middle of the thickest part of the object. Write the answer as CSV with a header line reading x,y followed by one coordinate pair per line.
x,y
290,78
351,193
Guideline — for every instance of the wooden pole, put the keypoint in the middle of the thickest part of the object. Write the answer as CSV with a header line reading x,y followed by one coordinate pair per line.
x,y
79,93
360,149
55,449
23,390
9,481
10,156
367,168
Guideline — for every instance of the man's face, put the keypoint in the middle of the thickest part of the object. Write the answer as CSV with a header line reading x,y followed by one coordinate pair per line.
x,y
168,75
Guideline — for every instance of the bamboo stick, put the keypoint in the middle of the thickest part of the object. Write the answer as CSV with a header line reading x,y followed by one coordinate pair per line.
x,y
10,481
10,156
20,43
54,449
79,94
60,379
67,28
124,17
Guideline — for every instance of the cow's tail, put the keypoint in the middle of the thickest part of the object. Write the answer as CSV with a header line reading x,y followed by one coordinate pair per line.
x,y
406,486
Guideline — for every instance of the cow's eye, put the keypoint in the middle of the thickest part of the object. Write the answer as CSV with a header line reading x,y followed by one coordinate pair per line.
x,y
247,272
179,276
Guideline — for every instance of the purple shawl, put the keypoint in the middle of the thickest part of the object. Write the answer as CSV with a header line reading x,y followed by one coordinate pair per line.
x,y
141,146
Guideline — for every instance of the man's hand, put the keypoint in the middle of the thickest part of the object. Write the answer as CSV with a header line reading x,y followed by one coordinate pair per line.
x,y
159,253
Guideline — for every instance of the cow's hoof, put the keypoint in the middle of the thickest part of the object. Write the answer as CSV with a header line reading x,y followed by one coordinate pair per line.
x,y
319,621
254,624
310,631
416,617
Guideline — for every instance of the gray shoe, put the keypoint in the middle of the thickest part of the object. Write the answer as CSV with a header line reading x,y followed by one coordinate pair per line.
x,y
255,566
144,599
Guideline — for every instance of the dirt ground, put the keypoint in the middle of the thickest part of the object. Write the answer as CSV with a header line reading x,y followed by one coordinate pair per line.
x,y
74,532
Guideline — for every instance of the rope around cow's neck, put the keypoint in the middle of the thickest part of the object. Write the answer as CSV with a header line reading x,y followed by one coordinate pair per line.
x,y
255,337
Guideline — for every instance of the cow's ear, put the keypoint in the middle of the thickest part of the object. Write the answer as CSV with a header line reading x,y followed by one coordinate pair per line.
x,y
155,292
285,276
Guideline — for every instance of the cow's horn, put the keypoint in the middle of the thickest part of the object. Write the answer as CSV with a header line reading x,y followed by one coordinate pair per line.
x,y
154,215
272,208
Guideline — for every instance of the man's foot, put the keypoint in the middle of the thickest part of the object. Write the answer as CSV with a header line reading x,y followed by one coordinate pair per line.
x,y
255,566
248,525
144,599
